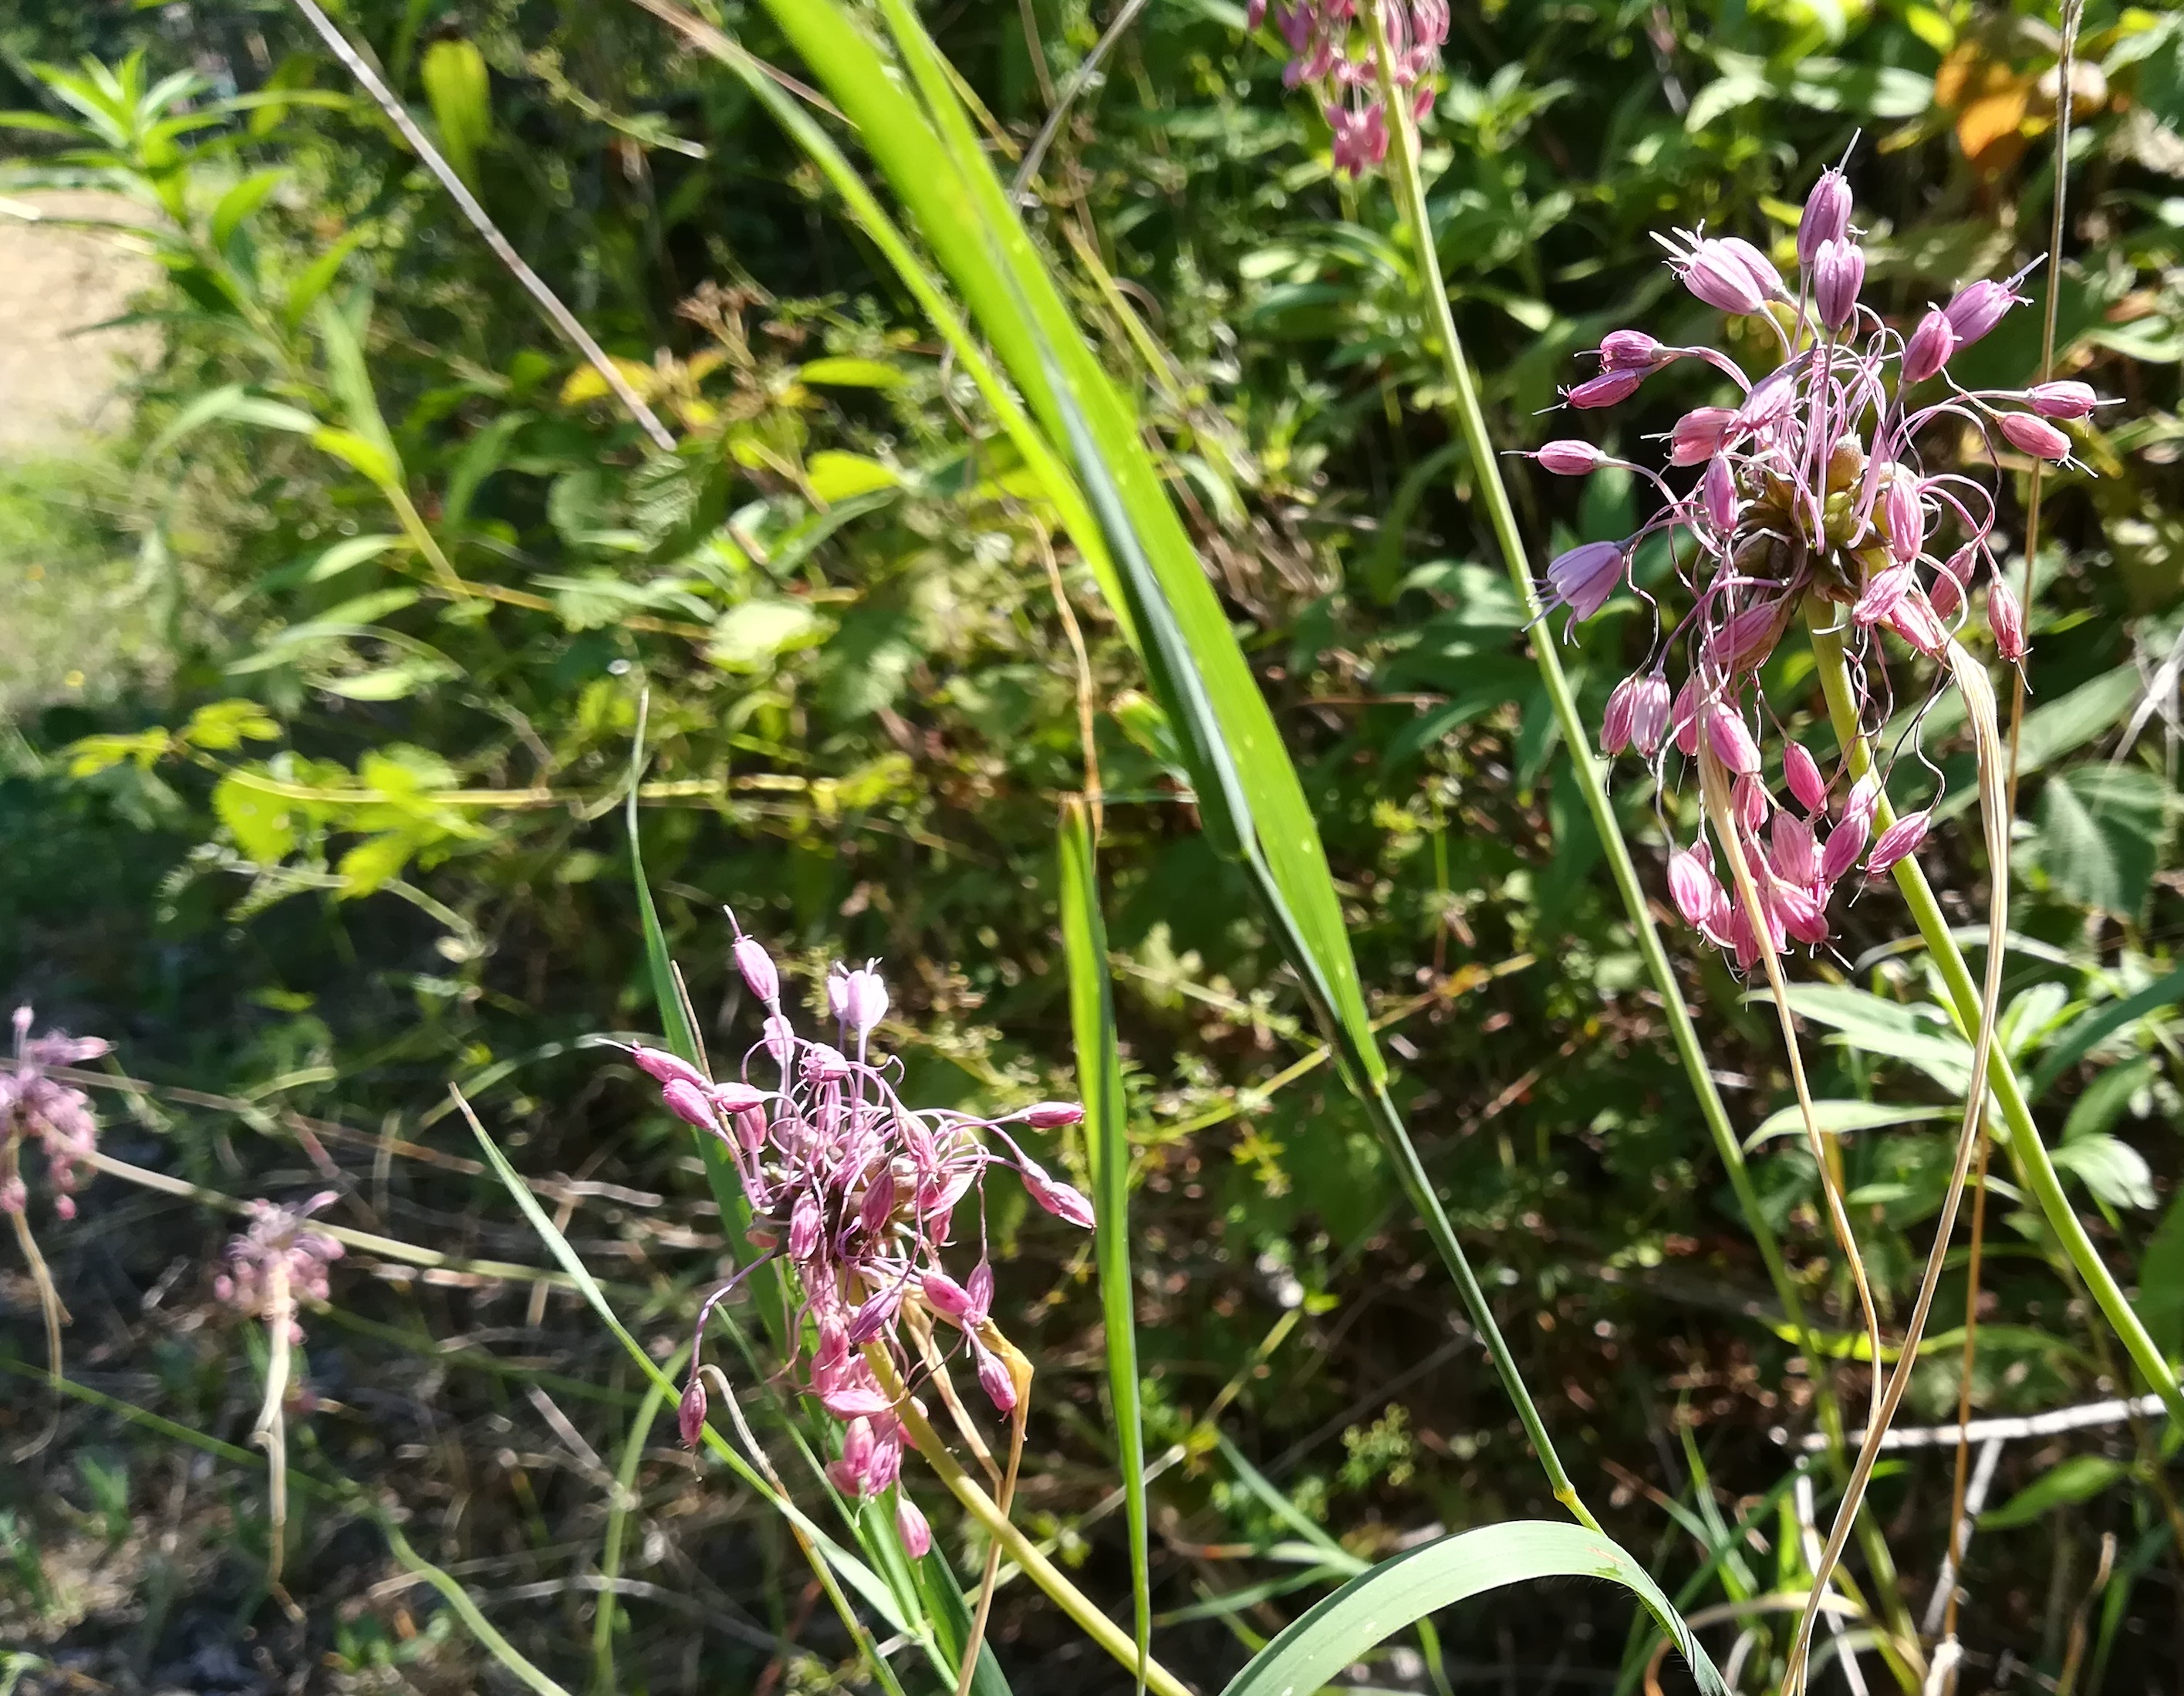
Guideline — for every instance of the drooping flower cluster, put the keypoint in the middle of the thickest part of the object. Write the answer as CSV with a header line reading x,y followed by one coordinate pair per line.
x,y
57,1115
1808,492
1330,50
858,1193
276,1259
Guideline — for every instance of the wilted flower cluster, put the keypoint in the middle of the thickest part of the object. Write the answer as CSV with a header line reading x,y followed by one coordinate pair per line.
x,y
277,1249
57,1115
1330,50
1808,490
858,1193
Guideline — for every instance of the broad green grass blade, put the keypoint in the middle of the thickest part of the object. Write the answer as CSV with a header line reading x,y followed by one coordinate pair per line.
x,y
1370,1610
1107,1142
468,1612
1249,792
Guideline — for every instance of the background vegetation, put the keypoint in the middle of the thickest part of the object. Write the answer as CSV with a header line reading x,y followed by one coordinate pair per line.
x,y
312,817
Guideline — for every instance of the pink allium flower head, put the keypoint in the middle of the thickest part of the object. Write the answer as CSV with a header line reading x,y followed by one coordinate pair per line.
x,y
1607,389
1570,458
1978,307
1838,275
2007,619
1930,347
277,1246
1583,578
910,1525
853,1192
1630,350
1899,841
2063,400
2036,437
1329,51
1802,774
1826,217
56,1116
1699,435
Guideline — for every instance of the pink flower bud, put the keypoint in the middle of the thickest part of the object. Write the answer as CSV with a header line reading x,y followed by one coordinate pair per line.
x,y
1718,275
1900,840
1770,400
1902,515
2063,400
1930,346
1827,215
663,1068
1838,275
64,1207
877,1207
2007,620
1913,618
804,1226
1605,389
736,1098
1583,578
1698,434
943,1294
981,1290
1693,887
851,1399
1615,719
1794,849
1802,774
750,1129
758,971
823,1064
1683,716
1730,740
910,1526
2035,437
1053,1115
1863,800
1752,803
859,999
1064,1201
1884,593
1798,912
1570,458
1630,350
1649,713
876,1314
994,1378
1717,494
1744,643
1757,265
690,1416
852,1468
689,1103
779,1036
1978,307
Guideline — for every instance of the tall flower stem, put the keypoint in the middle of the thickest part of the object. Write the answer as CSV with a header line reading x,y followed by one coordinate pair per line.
x,y
2028,1154
1469,418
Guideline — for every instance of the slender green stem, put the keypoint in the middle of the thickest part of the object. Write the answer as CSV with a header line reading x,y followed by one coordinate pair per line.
x,y
1470,420
2028,1153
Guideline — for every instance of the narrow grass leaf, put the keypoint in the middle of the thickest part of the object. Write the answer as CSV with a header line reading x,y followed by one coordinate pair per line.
x,y
1369,1610
469,1613
1108,1141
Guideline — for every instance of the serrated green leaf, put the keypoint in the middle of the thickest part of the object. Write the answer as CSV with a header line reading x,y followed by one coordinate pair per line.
x,y
260,823
221,725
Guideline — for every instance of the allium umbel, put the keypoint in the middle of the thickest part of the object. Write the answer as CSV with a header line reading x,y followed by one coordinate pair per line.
x,y
57,1116
1812,495
1331,50
277,1260
858,1193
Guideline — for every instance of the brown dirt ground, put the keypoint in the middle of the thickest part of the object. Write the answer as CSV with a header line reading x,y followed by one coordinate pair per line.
x,y
56,383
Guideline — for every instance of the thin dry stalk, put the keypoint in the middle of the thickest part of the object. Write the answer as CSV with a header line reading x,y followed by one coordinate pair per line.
x,y
1087,711
49,1302
560,315
1714,783
271,1433
1978,692
2073,1656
